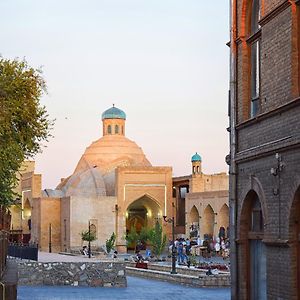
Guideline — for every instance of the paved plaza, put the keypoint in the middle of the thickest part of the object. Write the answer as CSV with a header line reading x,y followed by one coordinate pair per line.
x,y
139,289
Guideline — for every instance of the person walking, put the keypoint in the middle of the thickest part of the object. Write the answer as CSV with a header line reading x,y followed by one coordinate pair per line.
x,y
180,256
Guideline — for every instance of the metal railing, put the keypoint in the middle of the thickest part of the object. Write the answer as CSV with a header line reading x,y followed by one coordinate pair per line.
x,y
29,251
3,250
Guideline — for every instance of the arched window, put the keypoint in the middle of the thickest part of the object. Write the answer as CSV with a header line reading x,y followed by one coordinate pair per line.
x,y
116,129
257,251
93,229
198,169
122,129
109,129
254,43
194,171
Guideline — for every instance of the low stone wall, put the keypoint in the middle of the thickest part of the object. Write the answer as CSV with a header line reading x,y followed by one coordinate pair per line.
x,y
220,280
96,274
179,269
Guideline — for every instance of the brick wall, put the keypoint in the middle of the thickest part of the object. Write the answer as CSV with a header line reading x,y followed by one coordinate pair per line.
x,y
276,43
275,130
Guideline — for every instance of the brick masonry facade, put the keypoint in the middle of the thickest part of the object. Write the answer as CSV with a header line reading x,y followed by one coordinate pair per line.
x,y
265,150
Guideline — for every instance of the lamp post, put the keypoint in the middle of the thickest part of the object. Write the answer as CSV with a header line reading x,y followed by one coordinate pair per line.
x,y
50,238
172,221
89,248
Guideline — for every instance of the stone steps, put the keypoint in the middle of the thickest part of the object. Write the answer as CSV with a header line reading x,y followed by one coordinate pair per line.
x,y
201,281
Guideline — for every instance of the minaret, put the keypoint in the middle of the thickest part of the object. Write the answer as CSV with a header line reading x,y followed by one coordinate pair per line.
x,y
197,181
113,120
196,165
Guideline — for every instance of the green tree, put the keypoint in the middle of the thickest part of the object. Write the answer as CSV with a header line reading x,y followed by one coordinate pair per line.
x,y
144,235
157,239
88,236
110,242
132,237
24,122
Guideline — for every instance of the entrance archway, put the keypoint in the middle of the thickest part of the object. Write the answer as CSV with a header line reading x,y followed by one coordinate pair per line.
x,y
26,226
194,221
223,220
252,233
143,212
208,222
294,238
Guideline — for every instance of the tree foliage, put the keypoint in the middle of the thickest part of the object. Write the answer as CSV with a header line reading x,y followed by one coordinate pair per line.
x,y
24,122
132,237
154,236
110,243
157,239
88,236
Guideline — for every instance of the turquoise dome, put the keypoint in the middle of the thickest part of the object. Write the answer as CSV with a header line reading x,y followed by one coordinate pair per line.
x,y
114,113
196,157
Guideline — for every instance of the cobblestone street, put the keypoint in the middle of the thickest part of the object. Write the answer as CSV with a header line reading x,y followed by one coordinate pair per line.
x,y
138,289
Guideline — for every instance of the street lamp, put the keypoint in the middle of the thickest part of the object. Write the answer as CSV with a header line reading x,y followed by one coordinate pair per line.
x,y
172,221
50,238
89,248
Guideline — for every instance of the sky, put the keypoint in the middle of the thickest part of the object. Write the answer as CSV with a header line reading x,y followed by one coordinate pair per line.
x,y
164,62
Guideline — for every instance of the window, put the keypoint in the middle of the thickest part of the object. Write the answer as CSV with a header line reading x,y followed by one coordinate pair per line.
x,y
255,59
198,169
255,16
257,252
193,169
183,191
174,192
109,129
256,217
255,78
93,229
116,129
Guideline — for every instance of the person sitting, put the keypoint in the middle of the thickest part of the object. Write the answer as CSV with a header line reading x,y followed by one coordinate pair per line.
x,y
85,251
139,256
217,246
115,255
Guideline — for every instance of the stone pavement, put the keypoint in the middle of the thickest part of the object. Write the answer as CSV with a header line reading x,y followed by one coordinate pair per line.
x,y
138,289
55,257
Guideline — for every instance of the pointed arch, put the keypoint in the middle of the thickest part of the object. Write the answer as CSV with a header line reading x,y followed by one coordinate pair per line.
x,y
294,239
208,221
252,227
27,209
253,186
223,219
144,211
194,215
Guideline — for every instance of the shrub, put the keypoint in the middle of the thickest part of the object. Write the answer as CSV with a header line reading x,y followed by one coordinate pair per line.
x,y
158,239
110,242
88,236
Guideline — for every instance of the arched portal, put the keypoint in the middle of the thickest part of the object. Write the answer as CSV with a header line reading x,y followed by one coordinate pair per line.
x,y
194,222
223,220
252,233
143,212
26,228
294,238
208,221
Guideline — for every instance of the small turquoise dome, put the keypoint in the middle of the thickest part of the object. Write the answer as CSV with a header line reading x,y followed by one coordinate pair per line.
x,y
114,113
196,157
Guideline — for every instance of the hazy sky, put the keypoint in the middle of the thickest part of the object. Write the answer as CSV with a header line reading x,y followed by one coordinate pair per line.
x,y
164,62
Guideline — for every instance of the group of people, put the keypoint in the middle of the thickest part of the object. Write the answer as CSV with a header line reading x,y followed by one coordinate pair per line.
x,y
218,246
209,246
183,248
